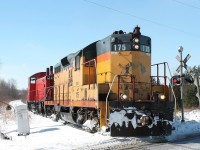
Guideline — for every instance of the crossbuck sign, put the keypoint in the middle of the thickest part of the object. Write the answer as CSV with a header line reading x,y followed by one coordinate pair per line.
x,y
183,64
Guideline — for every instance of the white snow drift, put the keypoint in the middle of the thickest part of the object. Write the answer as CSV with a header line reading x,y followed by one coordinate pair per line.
x,y
46,134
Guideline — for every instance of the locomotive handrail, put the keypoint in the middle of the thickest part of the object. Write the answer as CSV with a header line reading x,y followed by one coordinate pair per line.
x,y
97,87
159,64
172,90
108,95
174,96
164,76
171,85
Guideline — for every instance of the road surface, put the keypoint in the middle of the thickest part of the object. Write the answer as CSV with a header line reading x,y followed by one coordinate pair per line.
x,y
192,143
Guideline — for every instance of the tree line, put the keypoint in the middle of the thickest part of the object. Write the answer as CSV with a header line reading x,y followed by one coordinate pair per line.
x,y
9,91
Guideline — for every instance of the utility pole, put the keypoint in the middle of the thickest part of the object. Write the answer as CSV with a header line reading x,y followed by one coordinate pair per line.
x,y
180,69
180,50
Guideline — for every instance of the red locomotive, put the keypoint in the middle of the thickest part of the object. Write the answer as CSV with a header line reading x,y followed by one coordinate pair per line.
x,y
40,89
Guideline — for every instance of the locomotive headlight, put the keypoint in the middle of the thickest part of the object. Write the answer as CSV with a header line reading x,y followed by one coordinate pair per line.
x,y
136,40
123,96
161,96
136,46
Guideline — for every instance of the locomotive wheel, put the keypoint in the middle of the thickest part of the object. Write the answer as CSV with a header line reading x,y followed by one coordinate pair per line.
x,y
81,116
48,111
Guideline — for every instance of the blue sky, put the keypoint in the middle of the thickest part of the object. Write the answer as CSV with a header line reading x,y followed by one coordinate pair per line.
x,y
35,34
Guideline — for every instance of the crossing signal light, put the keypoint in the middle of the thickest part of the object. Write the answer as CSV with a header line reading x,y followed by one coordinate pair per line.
x,y
176,80
188,78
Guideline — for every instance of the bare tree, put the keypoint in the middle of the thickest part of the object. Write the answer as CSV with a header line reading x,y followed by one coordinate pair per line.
x,y
13,92
8,90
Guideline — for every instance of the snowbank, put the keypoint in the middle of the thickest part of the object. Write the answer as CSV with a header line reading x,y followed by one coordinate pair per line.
x,y
46,134
16,103
191,126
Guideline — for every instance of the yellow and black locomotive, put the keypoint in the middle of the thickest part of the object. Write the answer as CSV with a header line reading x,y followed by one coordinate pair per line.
x,y
109,83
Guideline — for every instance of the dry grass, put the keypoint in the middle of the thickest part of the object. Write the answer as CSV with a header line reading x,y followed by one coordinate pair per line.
x,y
6,116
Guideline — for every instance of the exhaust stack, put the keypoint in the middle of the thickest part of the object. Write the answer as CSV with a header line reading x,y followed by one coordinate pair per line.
x,y
47,72
51,70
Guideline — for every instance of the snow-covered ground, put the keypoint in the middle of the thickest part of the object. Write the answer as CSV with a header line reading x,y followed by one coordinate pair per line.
x,y
184,129
46,134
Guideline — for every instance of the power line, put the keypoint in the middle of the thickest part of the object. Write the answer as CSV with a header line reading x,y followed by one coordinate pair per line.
x,y
185,4
144,19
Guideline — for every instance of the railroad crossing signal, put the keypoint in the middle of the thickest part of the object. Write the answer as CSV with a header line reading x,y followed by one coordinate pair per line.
x,y
183,63
180,69
176,79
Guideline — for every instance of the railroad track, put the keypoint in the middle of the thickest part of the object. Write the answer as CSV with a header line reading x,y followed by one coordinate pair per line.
x,y
134,143
176,144
120,143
